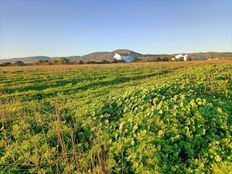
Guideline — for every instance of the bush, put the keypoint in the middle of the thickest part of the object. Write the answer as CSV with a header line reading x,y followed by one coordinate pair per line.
x,y
19,63
81,62
6,64
62,60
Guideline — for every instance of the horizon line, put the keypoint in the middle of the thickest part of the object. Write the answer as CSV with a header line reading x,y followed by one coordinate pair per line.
x,y
15,57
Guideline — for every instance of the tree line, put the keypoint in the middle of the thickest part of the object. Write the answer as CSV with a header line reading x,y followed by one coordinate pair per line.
x,y
59,61
66,61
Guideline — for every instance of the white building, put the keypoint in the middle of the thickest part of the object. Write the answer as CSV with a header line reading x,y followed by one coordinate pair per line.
x,y
184,57
124,57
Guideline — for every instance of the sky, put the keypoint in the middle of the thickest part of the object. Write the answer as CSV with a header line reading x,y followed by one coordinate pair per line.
x,y
78,27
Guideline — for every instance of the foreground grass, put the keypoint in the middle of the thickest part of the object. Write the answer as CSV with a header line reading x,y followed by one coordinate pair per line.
x,y
120,118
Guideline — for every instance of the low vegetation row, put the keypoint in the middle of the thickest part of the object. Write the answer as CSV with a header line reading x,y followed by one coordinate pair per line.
x,y
62,61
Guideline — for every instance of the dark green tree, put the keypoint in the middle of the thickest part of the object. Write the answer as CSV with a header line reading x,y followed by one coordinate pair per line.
x,y
19,63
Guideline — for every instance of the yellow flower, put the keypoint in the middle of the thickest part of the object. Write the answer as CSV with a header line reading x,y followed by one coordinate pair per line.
x,y
218,158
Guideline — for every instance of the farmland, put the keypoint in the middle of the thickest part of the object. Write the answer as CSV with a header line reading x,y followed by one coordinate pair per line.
x,y
171,117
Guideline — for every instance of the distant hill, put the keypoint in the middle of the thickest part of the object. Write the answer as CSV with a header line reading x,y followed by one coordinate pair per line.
x,y
74,58
194,56
98,57
109,56
126,51
211,55
26,59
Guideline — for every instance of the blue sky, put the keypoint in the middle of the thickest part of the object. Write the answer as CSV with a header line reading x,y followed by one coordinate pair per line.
x,y
77,27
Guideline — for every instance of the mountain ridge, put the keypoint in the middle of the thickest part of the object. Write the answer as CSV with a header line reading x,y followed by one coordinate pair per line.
x,y
108,56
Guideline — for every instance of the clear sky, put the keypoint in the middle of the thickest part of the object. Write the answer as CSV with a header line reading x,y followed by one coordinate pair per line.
x,y
77,27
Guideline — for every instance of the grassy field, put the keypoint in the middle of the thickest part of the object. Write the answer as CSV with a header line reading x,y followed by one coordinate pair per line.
x,y
171,117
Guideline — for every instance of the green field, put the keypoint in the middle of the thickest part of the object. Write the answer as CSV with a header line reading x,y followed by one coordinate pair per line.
x,y
117,118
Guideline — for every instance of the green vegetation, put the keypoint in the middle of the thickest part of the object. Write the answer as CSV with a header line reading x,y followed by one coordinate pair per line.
x,y
117,118
17,63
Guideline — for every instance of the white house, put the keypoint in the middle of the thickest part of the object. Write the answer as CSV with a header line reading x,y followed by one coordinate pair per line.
x,y
184,57
124,57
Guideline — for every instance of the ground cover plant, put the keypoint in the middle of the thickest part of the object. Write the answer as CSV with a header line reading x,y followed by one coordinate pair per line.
x,y
117,118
